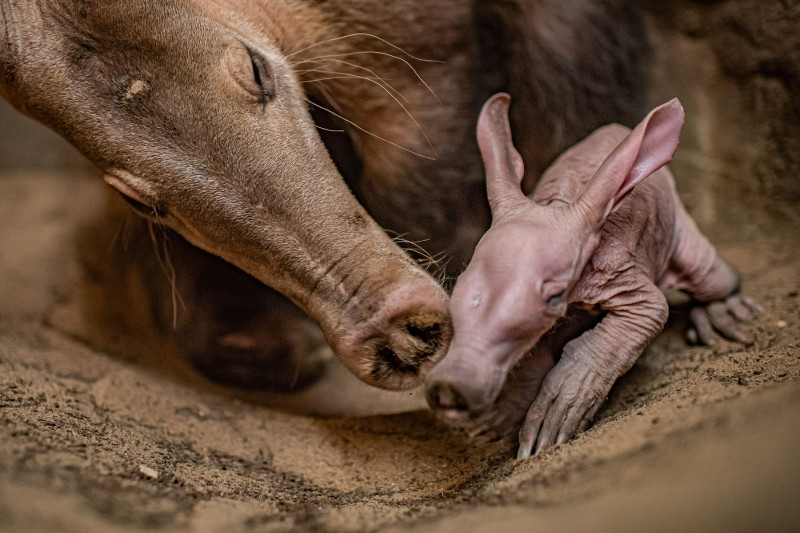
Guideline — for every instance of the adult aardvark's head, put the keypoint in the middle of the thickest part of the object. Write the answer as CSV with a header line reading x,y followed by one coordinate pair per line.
x,y
205,127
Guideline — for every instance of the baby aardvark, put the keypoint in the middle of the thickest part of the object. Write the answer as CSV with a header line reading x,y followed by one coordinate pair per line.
x,y
585,240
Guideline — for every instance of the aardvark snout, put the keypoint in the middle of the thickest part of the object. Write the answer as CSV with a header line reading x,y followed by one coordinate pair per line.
x,y
456,391
396,347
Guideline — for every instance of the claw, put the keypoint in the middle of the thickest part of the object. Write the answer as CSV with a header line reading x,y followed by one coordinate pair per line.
x,y
587,418
723,321
542,444
553,422
524,450
752,304
576,417
744,308
702,324
531,429
739,309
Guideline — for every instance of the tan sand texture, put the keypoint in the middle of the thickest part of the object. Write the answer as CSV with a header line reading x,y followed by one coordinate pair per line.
x,y
104,428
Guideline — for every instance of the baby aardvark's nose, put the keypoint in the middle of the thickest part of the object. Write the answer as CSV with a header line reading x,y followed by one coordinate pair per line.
x,y
443,397
456,391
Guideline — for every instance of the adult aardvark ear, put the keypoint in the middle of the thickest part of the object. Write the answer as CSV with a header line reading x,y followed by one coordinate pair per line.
x,y
502,162
647,148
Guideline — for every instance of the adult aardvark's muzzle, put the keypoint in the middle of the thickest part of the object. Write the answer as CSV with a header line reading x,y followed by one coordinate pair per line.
x,y
205,128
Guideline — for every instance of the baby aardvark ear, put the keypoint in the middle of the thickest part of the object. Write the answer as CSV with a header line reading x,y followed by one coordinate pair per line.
x,y
647,148
503,164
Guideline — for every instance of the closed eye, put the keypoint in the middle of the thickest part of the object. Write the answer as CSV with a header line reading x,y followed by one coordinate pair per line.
x,y
143,209
556,300
262,74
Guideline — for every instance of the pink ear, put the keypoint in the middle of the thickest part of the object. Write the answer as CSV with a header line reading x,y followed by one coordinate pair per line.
x,y
503,164
647,148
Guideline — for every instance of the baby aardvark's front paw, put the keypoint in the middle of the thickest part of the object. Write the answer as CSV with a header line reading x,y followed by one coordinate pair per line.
x,y
567,401
724,317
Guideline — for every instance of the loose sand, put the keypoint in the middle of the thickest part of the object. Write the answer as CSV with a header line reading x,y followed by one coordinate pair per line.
x,y
104,428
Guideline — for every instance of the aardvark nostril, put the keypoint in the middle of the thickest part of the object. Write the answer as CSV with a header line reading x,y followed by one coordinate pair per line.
x,y
429,336
406,349
444,397
387,361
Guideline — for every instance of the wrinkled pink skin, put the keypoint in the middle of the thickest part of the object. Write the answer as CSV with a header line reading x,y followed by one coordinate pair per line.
x,y
577,246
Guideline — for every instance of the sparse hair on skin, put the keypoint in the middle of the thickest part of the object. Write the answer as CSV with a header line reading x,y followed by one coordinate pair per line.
x,y
605,232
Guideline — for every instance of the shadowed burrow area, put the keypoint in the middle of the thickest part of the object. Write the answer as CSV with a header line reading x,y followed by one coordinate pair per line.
x,y
105,427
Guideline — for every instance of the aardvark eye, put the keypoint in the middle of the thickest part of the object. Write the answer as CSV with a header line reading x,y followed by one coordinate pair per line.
x,y
262,74
251,71
143,209
557,299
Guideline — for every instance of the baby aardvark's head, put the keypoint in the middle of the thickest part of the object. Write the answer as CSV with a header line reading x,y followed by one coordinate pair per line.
x,y
523,272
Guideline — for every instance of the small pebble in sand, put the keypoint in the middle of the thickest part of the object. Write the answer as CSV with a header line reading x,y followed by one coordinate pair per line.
x,y
148,472
781,323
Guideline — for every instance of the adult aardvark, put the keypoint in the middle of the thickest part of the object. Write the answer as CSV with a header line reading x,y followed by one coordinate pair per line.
x,y
199,112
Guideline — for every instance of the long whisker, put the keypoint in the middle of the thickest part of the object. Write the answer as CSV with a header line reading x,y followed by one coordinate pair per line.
x,y
122,234
369,132
340,75
436,264
164,259
324,91
355,66
345,75
377,52
412,246
328,129
361,34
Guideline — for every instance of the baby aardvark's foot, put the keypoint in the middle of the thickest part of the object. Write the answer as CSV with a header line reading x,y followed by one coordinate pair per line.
x,y
724,317
568,400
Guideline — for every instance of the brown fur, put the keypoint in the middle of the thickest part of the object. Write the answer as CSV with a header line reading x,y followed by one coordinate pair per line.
x,y
162,106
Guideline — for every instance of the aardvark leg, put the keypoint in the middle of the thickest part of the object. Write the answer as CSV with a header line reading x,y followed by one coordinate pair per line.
x,y
711,282
573,391
504,418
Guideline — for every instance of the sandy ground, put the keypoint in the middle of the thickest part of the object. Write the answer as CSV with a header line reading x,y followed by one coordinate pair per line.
x,y
104,428
129,438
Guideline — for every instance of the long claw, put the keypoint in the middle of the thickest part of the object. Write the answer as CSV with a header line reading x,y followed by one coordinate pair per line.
x,y
543,442
587,418
524,450
705,331
549,432
573,421
532,425
551,425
